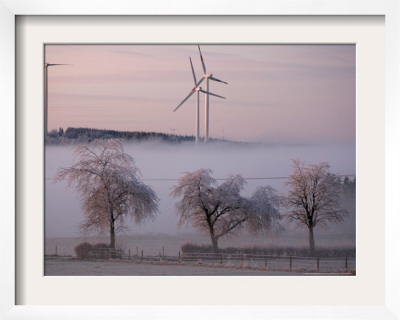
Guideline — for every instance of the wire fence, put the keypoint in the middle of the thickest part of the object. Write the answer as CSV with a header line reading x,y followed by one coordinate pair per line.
x,y
319,264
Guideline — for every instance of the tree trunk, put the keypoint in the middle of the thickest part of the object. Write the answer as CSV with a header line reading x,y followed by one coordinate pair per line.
x,y
214,241
311,240
112,235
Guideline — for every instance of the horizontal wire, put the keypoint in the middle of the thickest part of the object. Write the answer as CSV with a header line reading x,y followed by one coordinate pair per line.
x,y
251,178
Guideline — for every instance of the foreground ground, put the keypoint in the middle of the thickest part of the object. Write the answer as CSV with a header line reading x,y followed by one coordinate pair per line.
x,y
55,267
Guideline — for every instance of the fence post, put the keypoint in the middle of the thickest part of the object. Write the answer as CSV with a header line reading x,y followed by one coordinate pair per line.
x,y
109,253
317,263
137,251
56,251
266,262
290,262
345,263
221,257
142,256
129,254
163,252
179,256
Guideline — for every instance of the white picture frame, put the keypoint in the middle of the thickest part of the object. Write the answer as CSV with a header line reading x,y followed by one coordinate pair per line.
x,y
8,11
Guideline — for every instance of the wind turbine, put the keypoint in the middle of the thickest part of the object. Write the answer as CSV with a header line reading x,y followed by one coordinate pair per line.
x,y
198,90
46,93
208,77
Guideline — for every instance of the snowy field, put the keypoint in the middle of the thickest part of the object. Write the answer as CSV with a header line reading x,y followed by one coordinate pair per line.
x,y
55,267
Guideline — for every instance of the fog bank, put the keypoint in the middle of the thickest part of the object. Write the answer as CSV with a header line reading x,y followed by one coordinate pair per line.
x,y
162,164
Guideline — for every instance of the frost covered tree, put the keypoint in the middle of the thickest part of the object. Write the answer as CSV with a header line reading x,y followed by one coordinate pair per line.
x,y
110,187
265,210
315,197
219,209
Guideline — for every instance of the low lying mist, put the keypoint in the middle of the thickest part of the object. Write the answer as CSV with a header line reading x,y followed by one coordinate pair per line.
x,y
161,164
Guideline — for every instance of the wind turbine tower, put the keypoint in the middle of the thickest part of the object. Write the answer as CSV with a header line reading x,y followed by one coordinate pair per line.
x,y
197,89
208,77
46,94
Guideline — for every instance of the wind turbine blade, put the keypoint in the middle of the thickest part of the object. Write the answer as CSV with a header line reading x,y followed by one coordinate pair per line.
x,y
194,76
213,94
183,101
198,83
202,61
215,79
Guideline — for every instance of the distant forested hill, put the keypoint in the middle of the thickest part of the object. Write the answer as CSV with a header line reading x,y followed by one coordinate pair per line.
x,y
83,135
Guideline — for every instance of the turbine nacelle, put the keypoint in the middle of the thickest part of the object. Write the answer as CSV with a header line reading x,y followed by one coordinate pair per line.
x,y
210,76
198,90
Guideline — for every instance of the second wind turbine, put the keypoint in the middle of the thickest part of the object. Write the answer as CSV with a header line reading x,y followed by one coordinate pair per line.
x,y
208,77
198,90
46,94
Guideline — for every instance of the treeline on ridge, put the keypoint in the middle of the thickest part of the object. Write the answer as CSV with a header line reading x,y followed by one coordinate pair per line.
x,y
85,135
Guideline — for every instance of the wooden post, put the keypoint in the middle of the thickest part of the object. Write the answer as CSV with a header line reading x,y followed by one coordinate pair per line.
x,y
129,254
266,262
56,251
109,253
142,256
318,264
137,251
290,262
345,263
221,257
179,256
163,252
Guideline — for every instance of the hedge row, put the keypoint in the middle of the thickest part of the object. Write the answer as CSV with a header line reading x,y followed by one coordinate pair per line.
x,y
272,251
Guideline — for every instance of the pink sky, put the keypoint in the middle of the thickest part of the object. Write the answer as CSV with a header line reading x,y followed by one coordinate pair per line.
x,y
276,93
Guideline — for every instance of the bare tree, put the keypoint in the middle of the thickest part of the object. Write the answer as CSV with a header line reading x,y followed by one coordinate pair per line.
x,y
110,187
315,197
216,209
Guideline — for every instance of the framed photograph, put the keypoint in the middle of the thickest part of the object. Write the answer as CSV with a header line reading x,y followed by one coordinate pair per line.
x,y
244,154
372,33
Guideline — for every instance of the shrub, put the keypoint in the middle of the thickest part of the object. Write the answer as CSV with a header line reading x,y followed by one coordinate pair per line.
x,y
83,250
